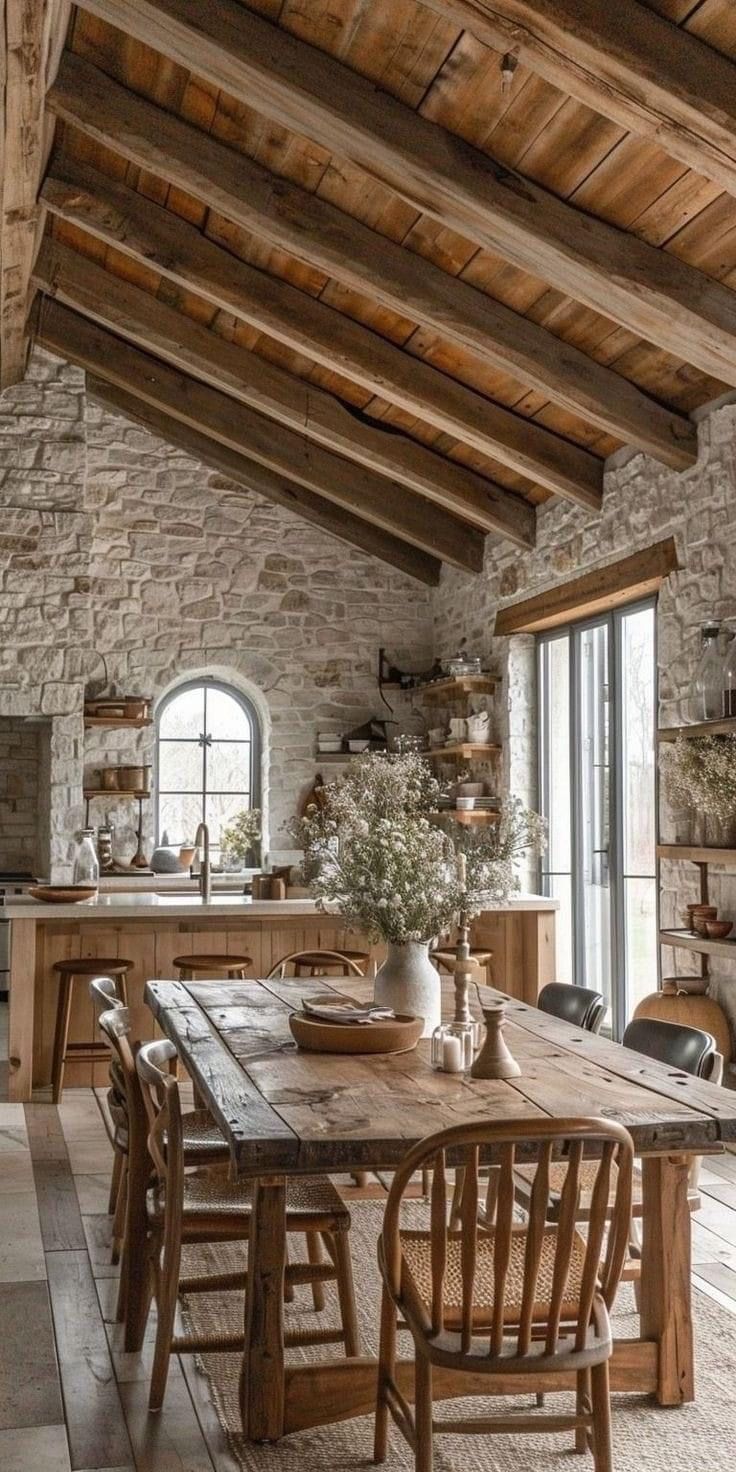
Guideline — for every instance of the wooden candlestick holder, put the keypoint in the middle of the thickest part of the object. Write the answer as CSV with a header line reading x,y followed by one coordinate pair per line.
x,y
494,1059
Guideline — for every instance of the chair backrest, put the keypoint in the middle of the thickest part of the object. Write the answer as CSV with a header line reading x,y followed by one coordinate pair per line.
x,y
576,1004
163,1108
329,959
688,1048
104,993
531,1260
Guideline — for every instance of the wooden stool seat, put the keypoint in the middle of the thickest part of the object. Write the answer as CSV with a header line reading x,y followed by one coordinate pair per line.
x,y
201,964
314,963
68,971
444,960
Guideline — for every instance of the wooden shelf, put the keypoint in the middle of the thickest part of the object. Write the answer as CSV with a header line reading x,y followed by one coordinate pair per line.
x,y
724,727
116,723
465,750
470,817
697,854
114,794
687,940
458,685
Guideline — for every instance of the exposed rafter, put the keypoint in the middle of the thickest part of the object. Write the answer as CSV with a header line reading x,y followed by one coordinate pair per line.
x,y
155,237
301,88
319,233
627,63
253,477
302,406
362,492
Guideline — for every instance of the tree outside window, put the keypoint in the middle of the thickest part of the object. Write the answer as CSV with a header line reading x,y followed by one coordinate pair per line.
x,y
207,761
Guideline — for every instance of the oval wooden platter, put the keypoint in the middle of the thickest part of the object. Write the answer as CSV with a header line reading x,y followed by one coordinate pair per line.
x,y
62,894
397,1035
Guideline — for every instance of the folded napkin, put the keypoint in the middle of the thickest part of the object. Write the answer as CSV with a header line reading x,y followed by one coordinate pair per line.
x,y
332,1008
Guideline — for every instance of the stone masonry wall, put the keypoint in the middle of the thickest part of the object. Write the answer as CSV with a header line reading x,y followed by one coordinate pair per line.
x,y
113,543
643,503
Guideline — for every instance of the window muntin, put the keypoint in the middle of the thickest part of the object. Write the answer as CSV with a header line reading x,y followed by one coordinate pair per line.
x,y
207,760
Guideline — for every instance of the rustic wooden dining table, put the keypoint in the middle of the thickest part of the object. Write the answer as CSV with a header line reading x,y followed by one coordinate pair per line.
x,y
284,1111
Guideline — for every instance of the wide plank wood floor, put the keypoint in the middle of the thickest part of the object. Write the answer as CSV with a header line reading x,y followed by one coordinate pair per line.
x,y
70,1399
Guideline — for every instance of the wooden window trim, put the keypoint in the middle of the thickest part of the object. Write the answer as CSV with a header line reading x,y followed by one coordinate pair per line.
x,y
607,587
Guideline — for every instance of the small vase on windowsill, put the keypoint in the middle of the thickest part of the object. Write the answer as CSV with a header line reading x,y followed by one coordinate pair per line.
x,y
408,982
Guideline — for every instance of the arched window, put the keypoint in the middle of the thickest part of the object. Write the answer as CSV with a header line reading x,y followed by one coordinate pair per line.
x,y
207,760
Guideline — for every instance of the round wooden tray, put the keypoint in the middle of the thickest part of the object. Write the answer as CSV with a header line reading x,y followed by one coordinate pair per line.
x,y
63,894
399,1035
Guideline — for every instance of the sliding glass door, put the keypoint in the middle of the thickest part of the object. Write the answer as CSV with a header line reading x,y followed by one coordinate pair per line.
x,y
597,706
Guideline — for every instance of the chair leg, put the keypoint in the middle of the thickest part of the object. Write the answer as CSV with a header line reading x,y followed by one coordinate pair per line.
x,y
386,1371
167,1284
423,1414
315,1257
118,1225
601,1401
123,988
117,1171
61,1034
583,1407
346,1292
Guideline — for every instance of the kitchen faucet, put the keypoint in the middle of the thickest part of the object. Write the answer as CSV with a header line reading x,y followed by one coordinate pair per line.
x,y
205,872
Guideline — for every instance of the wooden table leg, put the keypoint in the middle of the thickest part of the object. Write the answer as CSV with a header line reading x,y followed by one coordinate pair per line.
x,y
22,986
666,1313
262,1375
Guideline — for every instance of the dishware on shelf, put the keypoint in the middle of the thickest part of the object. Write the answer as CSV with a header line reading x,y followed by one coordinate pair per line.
x,y
464,664
718,929
700,914
328,743
437,736
470,789
133,779
108,778
465,804
394,1035
685,986
458,730
63,894
358,744
479,728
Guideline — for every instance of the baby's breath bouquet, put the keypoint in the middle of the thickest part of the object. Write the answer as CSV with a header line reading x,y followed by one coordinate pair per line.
x,y
701,774
492,853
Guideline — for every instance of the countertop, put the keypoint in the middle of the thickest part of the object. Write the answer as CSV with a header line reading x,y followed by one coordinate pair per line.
x,y
136,906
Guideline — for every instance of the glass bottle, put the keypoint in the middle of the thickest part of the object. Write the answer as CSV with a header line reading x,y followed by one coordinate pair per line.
x,y
706,703
729,676
86,867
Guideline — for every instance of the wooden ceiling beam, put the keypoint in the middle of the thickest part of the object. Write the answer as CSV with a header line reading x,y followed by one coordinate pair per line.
x,y
315,231
31,36
267,483
154,237
649,291
302,406
355,489
626,62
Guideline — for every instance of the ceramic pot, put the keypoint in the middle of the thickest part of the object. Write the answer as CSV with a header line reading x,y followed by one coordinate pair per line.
x,y
458,729
479,728
408,982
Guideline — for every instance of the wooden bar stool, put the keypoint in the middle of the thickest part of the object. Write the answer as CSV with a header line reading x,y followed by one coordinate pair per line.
x,y
209,967
322,963
445,960
81,968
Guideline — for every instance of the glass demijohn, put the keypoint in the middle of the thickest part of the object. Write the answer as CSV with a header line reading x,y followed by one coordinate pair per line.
x,y
706,703
86,867
729,676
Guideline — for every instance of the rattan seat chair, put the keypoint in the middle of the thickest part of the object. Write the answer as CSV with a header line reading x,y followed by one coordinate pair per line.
x,y
183,1209
516,1301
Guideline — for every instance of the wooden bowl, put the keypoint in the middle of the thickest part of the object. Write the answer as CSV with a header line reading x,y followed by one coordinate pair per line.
x,y
63,894
397,1035
718,929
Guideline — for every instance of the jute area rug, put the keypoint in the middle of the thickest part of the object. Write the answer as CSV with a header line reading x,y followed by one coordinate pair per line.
x,y
646,1438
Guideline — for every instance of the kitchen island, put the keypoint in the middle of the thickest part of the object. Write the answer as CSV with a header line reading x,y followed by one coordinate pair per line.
x,y
150,929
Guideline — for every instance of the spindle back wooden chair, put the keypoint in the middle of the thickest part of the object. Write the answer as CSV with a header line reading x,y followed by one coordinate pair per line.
x,y
195,1207
514,1301
315,963
104,995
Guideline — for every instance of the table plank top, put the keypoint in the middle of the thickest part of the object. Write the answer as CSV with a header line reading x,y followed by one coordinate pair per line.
x,y
285,1109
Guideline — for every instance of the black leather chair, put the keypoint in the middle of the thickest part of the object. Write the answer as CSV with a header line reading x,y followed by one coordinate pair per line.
x,y
576,1004
689,1049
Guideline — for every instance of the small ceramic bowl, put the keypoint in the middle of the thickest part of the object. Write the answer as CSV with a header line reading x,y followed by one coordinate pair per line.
x,y
464,804
718,929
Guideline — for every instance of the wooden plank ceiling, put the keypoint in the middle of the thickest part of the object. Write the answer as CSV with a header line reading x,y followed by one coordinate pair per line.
x,y
408,266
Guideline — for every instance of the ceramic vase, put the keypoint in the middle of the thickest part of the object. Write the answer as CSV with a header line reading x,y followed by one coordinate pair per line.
x,y
408,982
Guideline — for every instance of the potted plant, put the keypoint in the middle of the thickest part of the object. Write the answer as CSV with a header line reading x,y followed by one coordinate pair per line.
x,y
374,854
238,840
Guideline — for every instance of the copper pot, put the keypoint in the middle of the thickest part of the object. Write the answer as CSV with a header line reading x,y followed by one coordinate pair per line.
x,y
108,778
133,779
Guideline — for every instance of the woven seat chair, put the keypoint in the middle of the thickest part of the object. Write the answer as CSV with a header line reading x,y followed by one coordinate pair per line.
x,y
576,1004
182,1208
516,1301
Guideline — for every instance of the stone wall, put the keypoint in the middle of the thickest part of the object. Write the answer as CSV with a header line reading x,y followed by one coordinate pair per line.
x,y
113,543
643,503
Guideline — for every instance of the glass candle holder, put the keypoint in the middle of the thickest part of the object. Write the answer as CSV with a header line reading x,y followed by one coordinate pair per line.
x,y
453,1046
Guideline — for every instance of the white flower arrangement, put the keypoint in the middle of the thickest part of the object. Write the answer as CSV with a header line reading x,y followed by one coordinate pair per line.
x,y
700,773
373,852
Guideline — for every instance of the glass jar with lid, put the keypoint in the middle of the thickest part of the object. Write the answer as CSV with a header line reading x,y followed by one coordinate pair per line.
x,y
729,674
86,868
